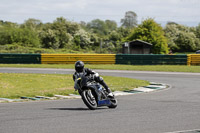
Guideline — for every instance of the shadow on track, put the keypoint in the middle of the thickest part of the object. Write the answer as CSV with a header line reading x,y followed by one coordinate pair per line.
x,y
72,109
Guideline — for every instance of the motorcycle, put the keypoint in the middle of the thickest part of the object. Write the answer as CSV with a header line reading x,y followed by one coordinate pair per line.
x,y
93,94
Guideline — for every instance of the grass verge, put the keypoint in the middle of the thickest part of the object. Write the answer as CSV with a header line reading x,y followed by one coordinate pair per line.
x,y
166,68
30,85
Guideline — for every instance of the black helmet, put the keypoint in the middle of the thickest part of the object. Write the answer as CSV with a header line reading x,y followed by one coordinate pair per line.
x,y
79,65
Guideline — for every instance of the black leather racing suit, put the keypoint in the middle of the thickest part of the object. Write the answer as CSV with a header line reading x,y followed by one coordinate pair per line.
x,y
97,78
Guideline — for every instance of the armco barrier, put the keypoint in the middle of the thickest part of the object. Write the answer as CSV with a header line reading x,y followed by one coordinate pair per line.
x,y
72,58
130,59
20,58
193,59
133,59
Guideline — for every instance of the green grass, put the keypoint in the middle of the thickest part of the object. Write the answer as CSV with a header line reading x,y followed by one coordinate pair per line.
x,y
166,68
17,48
30,85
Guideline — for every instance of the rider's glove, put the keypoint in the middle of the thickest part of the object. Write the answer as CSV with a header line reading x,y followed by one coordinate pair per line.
x,y
96,75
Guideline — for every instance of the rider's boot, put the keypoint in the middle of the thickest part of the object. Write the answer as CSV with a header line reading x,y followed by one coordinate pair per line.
x,y
110,94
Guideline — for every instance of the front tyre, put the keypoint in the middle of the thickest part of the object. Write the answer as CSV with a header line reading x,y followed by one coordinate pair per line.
x,y
113,103
89,99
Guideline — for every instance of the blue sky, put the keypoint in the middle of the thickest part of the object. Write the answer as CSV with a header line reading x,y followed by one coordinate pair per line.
x,y
185,12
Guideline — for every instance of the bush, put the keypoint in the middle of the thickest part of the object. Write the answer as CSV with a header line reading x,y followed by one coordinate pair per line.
x,y
151,32
23,36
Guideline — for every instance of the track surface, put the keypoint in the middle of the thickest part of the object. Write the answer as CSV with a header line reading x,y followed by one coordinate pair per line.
x,y
174,109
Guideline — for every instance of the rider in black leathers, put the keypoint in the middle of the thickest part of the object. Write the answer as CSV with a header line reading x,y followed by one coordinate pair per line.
x,y
79,67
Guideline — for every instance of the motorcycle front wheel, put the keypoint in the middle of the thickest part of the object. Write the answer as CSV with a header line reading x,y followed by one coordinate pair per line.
x,y
89,99
113,103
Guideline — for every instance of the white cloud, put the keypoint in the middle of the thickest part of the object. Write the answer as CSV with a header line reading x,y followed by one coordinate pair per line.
x,y
47,10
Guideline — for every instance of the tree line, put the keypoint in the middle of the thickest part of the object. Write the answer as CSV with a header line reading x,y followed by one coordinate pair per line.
x,y
98,35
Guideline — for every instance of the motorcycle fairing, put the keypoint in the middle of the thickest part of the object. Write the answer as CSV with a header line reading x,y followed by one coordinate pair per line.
x,y
104,103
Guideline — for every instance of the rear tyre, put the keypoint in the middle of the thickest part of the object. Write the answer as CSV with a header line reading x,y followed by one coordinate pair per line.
x,y
89,99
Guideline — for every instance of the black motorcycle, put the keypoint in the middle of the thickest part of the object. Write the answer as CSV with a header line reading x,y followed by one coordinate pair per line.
x,y
93,94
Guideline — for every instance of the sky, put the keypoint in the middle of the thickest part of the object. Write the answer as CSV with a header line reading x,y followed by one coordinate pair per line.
x,y
186,12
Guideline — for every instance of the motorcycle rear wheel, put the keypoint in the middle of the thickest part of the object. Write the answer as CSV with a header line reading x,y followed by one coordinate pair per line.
x,y
89,99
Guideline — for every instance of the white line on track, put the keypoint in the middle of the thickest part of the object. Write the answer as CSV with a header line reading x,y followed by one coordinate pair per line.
x,y
186,131
108,71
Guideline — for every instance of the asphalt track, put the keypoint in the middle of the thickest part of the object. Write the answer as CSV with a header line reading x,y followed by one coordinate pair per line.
x,y
171,110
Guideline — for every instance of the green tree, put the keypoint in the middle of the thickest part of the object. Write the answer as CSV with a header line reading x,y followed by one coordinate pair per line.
x,y
111,25
186,41
114,36
105,32
130,20
151,32
181,38
8,24
61,33
67,26
61,27
22,36
49,39
33,24
124,32
171,33
98,26
82,38
95,40
197,31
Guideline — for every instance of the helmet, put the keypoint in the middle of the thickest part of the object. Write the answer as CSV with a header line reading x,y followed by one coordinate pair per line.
x,y
79,65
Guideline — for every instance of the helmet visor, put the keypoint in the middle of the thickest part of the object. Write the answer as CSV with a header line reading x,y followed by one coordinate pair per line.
x,y
79,69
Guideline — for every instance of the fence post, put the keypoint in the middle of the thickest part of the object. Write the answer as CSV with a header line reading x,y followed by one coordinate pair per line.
x,y
188,59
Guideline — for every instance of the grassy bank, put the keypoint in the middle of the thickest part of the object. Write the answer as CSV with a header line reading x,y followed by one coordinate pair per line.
x,y
166,68
30,85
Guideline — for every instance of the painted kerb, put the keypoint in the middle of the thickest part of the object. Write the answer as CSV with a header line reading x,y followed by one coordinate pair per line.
x,y
71,58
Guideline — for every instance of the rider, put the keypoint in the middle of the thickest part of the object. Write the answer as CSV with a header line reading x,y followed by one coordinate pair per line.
x,y
79,67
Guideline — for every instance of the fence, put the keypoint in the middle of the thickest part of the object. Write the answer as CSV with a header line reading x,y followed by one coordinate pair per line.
x,y
193,59
71,58
20,58
132,59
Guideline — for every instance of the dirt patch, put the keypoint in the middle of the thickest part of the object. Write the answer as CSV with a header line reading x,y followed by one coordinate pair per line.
x,y
5,85
64,88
